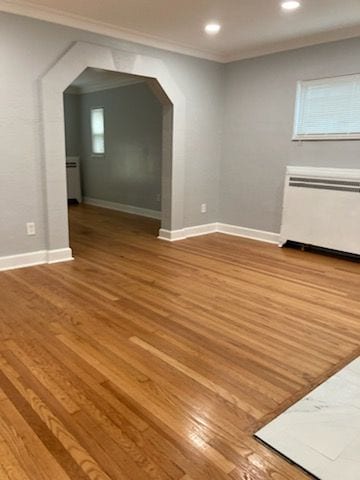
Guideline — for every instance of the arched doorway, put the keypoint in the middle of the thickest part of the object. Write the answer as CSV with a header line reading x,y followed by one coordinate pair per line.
x,y
79,57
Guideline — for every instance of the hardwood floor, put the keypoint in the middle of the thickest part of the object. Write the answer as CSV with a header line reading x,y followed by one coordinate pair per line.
x,y
150,360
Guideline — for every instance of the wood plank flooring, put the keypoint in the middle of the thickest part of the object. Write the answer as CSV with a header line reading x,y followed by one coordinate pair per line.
x,y
144,359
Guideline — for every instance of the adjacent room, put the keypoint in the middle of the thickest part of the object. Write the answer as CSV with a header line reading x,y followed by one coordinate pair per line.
x,y
117,167
180,240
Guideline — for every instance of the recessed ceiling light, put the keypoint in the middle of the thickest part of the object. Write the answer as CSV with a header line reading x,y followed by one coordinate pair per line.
x,y
290,5
212,28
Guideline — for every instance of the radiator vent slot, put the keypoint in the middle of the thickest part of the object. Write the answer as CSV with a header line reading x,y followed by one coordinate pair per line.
x,y
325,184
71,165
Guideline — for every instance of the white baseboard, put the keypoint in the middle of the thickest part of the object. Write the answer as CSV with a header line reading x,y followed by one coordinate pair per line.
x,y
171,235
60,255
65,254
31,259
261,235
175,235
144,212
188,232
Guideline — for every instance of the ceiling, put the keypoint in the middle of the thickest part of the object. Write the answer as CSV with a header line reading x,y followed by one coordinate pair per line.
x,y
249,27
93,80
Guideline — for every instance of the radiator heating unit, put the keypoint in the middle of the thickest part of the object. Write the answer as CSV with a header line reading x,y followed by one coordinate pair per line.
x,y
322,208
73,179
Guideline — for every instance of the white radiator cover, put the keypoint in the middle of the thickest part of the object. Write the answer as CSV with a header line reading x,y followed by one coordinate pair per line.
x,y
73,179
322,208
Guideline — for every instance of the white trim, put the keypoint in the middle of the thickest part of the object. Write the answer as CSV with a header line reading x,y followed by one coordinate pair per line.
x,y
171,235
294,44
143,212
175,235
319,172
200,230
22,260
59,255
47,14
65,254
52,15
31,259
260,235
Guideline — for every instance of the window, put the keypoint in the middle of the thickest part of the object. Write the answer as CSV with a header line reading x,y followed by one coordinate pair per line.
x,y
328,108
97,131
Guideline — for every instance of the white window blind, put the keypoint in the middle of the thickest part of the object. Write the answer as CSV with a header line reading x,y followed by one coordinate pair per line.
x,y
328,108
97,131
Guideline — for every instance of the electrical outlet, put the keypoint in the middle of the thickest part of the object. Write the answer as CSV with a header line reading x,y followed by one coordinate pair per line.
x,y
203,208
158,197
30,228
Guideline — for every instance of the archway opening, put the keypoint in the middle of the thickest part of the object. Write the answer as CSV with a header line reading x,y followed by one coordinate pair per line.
x,y
117,139
74,61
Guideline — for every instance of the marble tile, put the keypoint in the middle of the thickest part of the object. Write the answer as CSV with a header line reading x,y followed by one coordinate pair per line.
x,y
321,432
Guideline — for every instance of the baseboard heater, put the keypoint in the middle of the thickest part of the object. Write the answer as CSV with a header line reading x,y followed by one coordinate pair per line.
x,y
321,208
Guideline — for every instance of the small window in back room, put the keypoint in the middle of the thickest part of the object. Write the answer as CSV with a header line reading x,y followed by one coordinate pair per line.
x,y
328,108
97,131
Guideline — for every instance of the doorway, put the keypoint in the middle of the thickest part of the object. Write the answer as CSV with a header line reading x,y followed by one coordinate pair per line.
x,y
113,139
73,62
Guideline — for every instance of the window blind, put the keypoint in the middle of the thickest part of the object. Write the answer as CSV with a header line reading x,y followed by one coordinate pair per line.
x,y
328,108
97,131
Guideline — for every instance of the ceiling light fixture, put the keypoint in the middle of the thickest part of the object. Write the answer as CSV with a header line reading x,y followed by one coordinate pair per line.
x,y
212,28
290,5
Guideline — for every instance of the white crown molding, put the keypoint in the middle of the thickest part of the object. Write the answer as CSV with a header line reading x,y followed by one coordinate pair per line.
x,y
40,12
294,44
29,9
143,212
35,258
101,86
235,230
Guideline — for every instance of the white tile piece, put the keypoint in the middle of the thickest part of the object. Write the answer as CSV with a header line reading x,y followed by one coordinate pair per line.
x,y
355,366
321,432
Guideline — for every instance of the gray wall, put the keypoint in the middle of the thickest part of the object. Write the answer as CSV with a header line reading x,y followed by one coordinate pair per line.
x,y
258,123
256,114
72,125
130,171
28,49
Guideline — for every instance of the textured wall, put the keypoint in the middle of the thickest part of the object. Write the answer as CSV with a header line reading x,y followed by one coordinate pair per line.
x,y
28,49
258,124
130,171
